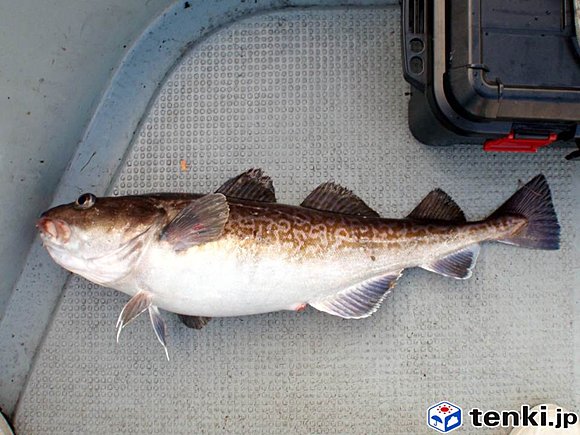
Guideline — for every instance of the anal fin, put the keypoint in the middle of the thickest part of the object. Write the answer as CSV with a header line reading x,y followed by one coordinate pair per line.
x,y
194,322
360,300
456,265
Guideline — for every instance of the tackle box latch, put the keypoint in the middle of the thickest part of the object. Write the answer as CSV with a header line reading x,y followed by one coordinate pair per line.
x,y
513,144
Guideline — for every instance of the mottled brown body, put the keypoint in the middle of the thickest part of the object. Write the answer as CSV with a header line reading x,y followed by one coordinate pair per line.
x,y
219,255
311,232
297,232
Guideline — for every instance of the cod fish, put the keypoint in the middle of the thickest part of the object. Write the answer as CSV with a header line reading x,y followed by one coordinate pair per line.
x,y
238,252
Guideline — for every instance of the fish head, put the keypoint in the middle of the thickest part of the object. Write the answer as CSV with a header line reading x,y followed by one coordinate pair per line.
x,y
99,238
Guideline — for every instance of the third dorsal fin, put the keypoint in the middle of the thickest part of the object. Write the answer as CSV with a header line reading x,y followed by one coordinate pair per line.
x,y
438,206
335,198
252,185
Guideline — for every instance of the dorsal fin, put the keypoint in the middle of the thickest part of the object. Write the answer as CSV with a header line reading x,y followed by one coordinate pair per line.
x,y
335,198
252,185
438,206
360,300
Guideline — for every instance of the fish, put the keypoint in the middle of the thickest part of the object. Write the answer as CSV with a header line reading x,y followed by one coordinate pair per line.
x,y
237,251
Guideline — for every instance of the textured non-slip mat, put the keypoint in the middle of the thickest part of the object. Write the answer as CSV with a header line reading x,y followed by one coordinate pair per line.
x,y
311,96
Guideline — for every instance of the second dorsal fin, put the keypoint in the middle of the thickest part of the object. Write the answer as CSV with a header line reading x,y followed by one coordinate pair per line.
x,y
438,206
252,185
335,198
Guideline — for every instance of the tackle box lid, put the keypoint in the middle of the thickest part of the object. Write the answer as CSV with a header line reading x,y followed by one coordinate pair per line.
x,y
506,60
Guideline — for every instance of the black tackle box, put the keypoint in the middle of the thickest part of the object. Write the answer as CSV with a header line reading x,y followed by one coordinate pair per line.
x,y
505,73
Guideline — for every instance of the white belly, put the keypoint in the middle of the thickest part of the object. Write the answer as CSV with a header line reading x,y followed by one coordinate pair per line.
x,y
219,279
229,277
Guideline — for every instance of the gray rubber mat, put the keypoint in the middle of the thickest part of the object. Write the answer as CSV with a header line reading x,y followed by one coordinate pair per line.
x,y
311,96
577,19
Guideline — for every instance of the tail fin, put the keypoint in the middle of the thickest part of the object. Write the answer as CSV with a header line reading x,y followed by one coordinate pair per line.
x,y
534,202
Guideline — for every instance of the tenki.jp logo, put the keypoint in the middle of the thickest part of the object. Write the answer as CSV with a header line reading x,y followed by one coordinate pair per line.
x,y
446,417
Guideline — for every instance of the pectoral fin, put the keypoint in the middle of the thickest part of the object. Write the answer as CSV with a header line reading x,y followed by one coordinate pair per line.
x,y
457,265
200,222
360,300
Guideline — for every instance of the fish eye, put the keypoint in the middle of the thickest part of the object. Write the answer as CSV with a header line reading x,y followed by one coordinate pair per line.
x,y
86,200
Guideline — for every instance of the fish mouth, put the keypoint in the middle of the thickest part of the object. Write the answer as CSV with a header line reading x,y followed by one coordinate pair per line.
x,y
54,230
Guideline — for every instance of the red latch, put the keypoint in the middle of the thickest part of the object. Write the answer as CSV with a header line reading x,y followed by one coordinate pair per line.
x,y
511,144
